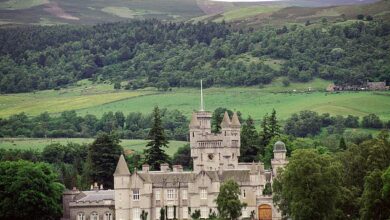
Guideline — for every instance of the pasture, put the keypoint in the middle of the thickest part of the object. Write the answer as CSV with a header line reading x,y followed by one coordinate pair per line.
x,y
40,143
254,101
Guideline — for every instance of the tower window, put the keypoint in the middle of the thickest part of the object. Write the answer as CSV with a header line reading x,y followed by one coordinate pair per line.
x,y
135,194
203,194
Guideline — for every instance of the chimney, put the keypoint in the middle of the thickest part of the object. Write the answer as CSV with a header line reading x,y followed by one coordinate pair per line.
x,y
145,168
177,168
164,167
101,187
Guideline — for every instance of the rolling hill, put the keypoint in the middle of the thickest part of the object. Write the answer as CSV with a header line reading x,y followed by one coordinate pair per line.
x,y
49,12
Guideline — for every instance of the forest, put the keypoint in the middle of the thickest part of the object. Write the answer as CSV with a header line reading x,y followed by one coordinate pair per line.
x,y
161,54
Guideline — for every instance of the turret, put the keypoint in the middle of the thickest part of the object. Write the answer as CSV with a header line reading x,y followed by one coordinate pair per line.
x,y
122,189
279,160
225,125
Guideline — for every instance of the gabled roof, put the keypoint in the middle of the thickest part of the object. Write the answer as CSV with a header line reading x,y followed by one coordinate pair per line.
x,y
121,167
235,121
225,121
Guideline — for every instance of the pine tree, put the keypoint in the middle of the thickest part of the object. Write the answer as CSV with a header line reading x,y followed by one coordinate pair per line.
x,y
249,141
154,154
274,127
265,135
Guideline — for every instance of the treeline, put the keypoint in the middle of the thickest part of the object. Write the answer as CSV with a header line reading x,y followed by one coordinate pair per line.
x,y
353,183
309,123
135,125
154,53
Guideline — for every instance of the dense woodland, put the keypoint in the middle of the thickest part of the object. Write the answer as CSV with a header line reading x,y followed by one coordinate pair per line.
x,y
135,125
154,53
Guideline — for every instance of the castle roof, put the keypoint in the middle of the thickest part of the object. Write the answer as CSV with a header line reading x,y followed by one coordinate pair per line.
x,y
89,196
279,146
235,121
225,121
236,175
121,167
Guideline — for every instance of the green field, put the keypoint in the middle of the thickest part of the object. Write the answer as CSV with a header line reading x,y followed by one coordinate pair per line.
x,y
21,4
254,101
245,12
40,143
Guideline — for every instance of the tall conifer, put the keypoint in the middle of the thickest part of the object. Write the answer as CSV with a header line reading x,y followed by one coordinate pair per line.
x,y
154,152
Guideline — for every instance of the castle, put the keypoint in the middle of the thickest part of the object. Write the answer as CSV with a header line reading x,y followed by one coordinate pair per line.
x,y
180,193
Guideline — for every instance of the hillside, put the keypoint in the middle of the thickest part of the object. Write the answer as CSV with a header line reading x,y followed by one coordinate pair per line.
x,y
50,12
282,14
152,53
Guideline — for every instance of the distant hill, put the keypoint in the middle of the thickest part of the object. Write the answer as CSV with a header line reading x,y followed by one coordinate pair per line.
x,y
49,12
283,13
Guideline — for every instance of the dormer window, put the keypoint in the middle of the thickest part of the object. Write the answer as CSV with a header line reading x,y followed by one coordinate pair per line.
x,y
80,216
94,216
108,216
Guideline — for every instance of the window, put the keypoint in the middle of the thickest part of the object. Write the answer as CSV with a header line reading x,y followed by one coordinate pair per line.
x,y
135,194
185,213
80,216
170,194
108,216
204,212
94,216
157,195
184,194
203,194
243,193
158,212
170,213
136,214
244,212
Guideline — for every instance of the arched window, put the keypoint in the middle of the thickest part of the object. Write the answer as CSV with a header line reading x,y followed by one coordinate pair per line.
x,y
94,216
108,216
80,216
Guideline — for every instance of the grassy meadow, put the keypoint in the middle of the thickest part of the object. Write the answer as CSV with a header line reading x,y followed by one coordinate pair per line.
x,y
40,143
88,98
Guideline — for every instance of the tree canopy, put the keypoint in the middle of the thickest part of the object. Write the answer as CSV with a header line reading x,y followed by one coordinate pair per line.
x,y
29,191
228,201
154,153
309,186
103,155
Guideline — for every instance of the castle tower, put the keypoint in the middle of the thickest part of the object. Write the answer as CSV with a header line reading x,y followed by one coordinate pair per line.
x,y
279,160
214,151
122,190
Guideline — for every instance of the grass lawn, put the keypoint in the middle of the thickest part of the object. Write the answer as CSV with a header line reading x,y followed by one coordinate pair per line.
x,y
254,101
55,101
40,143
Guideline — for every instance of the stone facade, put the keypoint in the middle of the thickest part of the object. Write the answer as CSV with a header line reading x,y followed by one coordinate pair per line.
x,y
89,205
180,193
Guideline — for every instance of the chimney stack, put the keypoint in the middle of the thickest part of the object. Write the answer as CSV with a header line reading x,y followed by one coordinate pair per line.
x,y
177,168
145,168
164,167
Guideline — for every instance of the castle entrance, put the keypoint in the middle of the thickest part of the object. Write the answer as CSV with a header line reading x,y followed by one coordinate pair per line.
x,y
265,212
